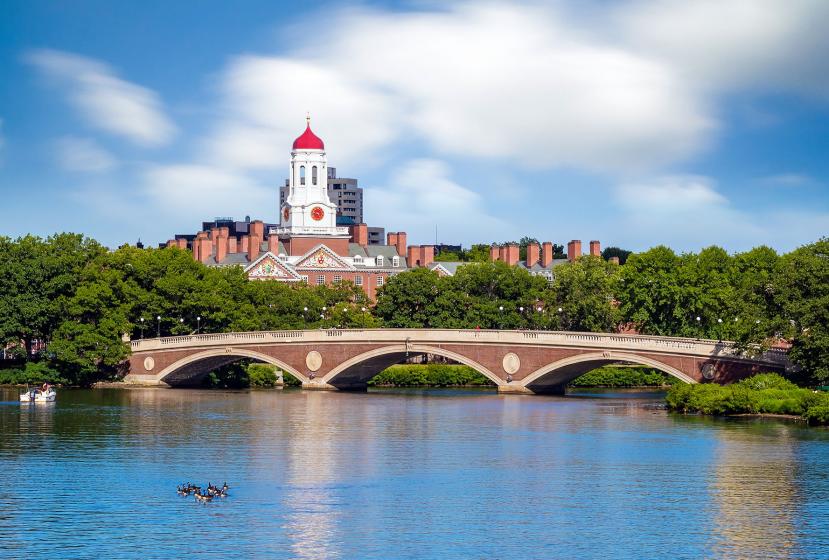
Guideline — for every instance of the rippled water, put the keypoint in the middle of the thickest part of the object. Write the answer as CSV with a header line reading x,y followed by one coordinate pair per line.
x,y
404,474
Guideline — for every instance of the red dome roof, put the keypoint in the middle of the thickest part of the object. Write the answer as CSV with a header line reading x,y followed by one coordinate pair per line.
x,y
308,140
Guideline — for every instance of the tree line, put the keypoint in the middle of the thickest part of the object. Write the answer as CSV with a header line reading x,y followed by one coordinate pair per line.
x,y
79,299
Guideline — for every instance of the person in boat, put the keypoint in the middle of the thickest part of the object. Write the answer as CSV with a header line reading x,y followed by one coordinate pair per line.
x,y
45,388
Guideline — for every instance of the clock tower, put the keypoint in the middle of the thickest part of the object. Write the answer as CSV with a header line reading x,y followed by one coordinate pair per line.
x,y
307,211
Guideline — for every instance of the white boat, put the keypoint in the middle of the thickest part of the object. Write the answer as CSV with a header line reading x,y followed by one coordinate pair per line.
x,y
36,395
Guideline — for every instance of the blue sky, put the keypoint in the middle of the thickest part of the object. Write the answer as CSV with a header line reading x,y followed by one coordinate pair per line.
x,y
635,123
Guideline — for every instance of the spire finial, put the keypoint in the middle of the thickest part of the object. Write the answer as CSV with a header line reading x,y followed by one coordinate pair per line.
x,y
308,118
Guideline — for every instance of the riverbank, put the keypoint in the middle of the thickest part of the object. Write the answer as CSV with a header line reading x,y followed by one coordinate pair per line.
x,y
764,394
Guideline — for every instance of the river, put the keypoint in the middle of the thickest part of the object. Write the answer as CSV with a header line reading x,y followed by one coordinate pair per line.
x,y
404,474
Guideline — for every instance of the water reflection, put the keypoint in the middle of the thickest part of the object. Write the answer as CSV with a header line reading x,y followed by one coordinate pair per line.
x,y
404,474
754,491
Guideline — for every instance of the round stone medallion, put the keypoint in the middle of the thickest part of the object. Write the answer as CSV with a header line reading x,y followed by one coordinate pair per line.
x,y
709,371
149,363
313,360
511,363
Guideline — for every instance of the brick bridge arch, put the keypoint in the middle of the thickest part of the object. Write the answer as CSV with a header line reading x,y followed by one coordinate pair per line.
x,y
516,361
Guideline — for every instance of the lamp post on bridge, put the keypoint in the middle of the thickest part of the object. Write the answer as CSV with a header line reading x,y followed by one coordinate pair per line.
x,y
142,327
158,327
198,324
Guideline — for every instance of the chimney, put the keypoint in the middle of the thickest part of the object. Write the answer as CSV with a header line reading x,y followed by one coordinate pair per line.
x,y
221,248
359,234
595,249
182,243
232,245
502,253
172,243
257,233
427,255
198,247
244,244
413,256
494,253
391,239
512,254
273,244
573,250
401,243
205,246
533,254
547,254
254,244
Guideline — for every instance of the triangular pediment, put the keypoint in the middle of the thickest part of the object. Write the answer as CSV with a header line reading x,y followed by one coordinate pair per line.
x,y
441,270
321,257
269,267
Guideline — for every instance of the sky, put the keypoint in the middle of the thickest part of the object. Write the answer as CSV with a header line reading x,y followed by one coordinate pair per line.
x,y
635,123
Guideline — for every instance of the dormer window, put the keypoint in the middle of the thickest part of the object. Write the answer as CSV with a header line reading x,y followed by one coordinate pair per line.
x,y
283,257
395,261
358,259
379,260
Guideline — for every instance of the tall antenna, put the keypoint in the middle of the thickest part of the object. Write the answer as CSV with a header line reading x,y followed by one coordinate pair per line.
x,y
436,234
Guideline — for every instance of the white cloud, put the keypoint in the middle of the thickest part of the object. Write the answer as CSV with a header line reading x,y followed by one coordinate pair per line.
x,y
194,193
421,195
266,99
83,154
491,80
733,44
106,101
688,213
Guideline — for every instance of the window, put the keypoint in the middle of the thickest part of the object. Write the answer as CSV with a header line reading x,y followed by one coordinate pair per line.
x,y
337,278
301,174
358,280
320,280
358,259
395,261
379,281
379,260
314,175
304,278
283,257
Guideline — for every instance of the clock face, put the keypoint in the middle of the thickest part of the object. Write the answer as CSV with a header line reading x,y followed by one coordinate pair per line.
x,y
317,213
286,213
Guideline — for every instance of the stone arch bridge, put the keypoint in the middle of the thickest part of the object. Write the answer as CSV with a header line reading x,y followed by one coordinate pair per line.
x,y
515,361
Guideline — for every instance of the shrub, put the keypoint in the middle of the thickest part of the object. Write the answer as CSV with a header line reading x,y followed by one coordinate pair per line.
x,y
764,393
262,375
624,376
33,373
429,375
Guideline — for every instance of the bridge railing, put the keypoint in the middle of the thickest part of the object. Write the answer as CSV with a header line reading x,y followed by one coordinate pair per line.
x,y
608,341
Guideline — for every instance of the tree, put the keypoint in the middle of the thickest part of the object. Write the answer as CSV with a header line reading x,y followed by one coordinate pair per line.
x,y
37,278
802,290
407,299
610,252
584,291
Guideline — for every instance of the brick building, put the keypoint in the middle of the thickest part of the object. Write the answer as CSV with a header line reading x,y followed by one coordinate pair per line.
x,y
308,245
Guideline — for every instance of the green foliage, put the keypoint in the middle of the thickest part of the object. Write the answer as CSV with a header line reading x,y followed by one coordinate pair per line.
x,y
610,252
33,373
584,291
262,375
614,376
802,291
761,394
429,375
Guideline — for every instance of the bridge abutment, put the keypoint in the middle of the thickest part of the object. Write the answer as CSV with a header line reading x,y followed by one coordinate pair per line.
x,y
318,386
